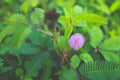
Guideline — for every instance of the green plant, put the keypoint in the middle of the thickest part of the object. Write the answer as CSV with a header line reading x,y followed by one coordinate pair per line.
x,y
38,44
100,70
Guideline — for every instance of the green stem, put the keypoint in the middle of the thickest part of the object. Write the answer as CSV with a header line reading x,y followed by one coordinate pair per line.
x,y
49,34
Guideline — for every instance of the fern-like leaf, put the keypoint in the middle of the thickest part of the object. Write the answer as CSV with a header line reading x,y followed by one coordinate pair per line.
x,y
37,16
17,19
100,70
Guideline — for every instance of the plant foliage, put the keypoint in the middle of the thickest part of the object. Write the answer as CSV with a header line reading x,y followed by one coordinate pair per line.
x,y
100,70
35,40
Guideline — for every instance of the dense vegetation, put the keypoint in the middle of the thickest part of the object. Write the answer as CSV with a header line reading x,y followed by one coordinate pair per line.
x,y
60,40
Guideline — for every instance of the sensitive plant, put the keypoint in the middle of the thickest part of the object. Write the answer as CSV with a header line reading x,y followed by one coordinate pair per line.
x,y
67,44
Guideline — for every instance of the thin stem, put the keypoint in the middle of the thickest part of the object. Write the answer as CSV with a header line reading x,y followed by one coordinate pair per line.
x,y
56,41
49,34
19,59
40,30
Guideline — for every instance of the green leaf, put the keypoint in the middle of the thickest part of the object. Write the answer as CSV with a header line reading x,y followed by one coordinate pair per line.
x,y
68,31
75,61
7,31
111,44
115,6
78,9
96,36
28,78
39,39
86,57
69,12
36,63
1,62
37,16
65,4
6,69
36,38
47,43
110,56
46,70
64,21
91,18
95,19
20,35
69,75
19,72
25,6
77,21
17,19
104,8
27,49
100,70
63,42
34,3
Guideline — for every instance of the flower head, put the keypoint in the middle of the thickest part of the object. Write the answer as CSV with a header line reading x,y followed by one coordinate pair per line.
x,y
76,41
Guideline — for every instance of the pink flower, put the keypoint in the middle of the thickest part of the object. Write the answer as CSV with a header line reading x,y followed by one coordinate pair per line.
x,y
76,41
